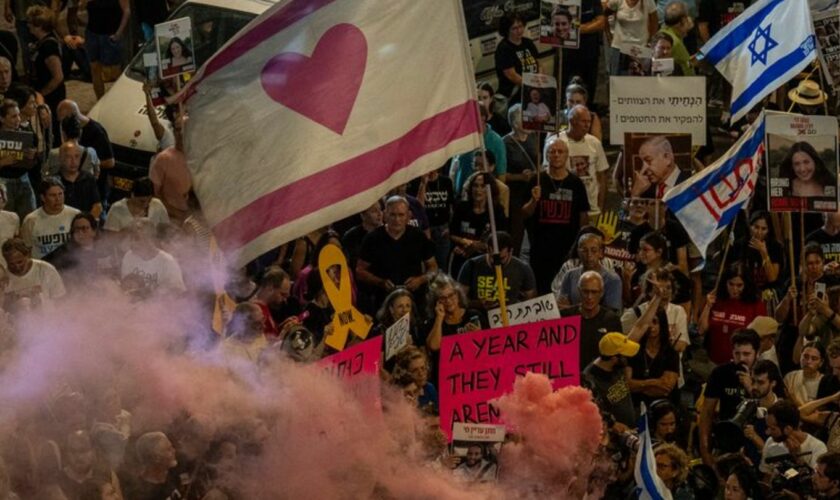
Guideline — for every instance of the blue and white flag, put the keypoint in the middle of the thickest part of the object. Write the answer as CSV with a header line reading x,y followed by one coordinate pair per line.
x,y
648,484
709,200
764,47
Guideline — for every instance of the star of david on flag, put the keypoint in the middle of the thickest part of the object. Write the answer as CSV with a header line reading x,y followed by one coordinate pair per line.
x,y
759,48
755,58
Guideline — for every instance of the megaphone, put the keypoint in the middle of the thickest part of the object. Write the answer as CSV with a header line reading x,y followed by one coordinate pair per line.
x,y
729,434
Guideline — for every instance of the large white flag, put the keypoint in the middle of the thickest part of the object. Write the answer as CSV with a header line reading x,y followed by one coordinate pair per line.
x,y
319,107
764,47
709,200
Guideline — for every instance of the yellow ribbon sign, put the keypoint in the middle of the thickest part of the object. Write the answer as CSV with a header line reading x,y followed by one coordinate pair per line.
x,y
347,318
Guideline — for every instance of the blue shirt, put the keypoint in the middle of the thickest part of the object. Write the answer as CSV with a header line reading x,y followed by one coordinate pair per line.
x,y
494,143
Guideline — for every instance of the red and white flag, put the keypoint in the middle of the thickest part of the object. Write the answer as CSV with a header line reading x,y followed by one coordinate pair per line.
x,y
319,107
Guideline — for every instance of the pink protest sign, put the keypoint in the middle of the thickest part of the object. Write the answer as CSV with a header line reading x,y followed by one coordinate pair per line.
x,y
361,359
477,367
358,367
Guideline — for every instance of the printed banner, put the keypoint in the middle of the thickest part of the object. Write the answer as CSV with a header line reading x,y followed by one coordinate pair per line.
x,y
827,28
617,228
478,367
529,311
174,43
802,163
560,23
539,102
658,106
397,336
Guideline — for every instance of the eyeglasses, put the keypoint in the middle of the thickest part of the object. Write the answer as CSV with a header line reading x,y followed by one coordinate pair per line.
x,y
448,296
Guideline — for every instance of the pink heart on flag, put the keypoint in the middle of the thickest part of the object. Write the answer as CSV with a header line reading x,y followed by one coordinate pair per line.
x,y
322,87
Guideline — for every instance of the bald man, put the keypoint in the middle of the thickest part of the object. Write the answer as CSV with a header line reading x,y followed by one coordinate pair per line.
x,y
79,186
93,136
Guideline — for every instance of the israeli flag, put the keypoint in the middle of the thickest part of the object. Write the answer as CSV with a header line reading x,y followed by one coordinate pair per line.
x,y
708,201
761,49
648,484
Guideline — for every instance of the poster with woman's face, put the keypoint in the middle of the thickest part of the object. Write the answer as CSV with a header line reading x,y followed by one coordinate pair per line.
x,y
539,102
560,23
801,163
175,47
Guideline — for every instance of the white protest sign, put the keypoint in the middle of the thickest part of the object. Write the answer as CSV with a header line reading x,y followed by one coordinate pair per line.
x,y
654,105
530,311
397,336
481,433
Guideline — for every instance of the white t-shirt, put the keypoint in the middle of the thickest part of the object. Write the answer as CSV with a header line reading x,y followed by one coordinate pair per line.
x,y
42,284
804,389
160,272
630,22
44,232
119,216
586,160
813,446
9,225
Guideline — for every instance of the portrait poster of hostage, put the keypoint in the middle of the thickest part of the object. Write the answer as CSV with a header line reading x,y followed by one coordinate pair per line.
x,y
801,163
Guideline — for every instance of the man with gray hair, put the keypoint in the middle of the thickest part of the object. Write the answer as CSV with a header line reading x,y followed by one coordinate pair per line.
x,y
590,249
678,23
586,155
659,171
395,254
595,319
156,461
5,75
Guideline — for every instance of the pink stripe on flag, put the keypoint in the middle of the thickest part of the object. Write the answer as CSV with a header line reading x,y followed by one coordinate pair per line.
x,y
348,178
276,22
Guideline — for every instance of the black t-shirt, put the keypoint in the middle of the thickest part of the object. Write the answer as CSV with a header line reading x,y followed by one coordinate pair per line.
x,y
468,224
104,16
830,244
480,278
138,489
592,330
556,219
717,13
94,136
611,393
522,58
82,193
45,48
724,385
589,10
396,260
351,243
829,386
440,198
520,156
644,368
742,252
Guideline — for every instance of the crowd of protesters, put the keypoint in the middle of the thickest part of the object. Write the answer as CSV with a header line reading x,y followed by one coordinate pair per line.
x,y
737,362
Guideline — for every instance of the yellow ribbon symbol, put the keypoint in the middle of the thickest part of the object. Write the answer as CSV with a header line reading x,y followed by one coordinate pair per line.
x,y
347,318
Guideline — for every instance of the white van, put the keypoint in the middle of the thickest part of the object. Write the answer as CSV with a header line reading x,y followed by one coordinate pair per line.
x,y
122,110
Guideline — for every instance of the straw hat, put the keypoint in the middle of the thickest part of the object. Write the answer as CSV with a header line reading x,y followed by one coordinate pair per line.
x,y
808,93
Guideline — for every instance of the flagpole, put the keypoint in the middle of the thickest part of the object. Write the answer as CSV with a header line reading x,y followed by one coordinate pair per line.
x,y
725,255
496,258
789,232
